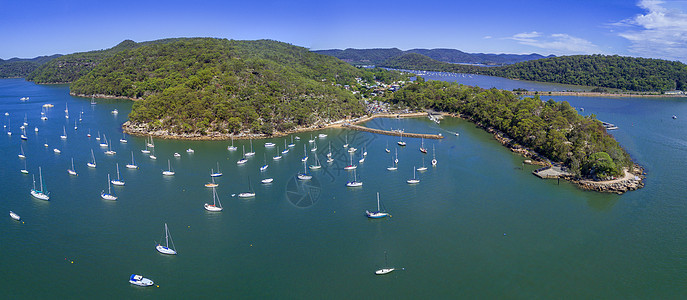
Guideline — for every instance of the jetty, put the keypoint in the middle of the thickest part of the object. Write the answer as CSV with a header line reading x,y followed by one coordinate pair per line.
x,y
393,132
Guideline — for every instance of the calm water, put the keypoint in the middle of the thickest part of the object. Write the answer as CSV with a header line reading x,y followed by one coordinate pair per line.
x,y
477,225
488,82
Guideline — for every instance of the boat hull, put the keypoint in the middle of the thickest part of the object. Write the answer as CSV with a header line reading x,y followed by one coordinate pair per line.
x,y
165,250
211,207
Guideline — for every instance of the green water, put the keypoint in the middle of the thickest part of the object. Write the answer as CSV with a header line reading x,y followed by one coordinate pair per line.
x,y
478,225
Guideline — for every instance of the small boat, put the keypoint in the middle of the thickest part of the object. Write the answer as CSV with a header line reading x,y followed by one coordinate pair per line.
x,y
305,154
152,155
41,194
132,165
64,133
35,129
243,159
166,249
232,147
346,144
434,157
66,111
72,171
108,195
317,165
286,149
251,153
145,151
352,150
23,134
422,147
97,138
265,166
24,170
123,139
423,168
329,154
46,144
401,142
140,280
362,157
104,142
91,164
298,138
15,216
311,140
177,155
269,145
292,144
304,175
189,150
92,101
249,194
118,182
216,204
267,180
216,174
387,147
109,149
414,180
330,160
57,151
322,135
115,111
674,117
169,171
386,269
355,182
150,143
313,149
351,166
21,152
277,156
211,184
75,127
376,214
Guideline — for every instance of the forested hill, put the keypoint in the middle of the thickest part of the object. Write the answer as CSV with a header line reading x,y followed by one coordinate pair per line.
x,y
624,73
380,56
68,68
21,67
205,86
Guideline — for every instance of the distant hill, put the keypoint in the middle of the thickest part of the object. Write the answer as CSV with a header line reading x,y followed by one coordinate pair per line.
x,y
68,68
618,72
380,56
21,67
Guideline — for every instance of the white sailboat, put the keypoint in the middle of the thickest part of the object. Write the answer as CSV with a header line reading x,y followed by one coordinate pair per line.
x,y
64,133
216,204
394,162
346,144
91,164
277,156
66,111
351,166
123,139
414,180
109,149
169,171
23,134
305,154
251,153
216,174
422,146
108,195
97,138
152,155
286,149
317,164
166,249
267,180
119,181
311,139
292,144
243,159
265,166
41,194
434,157
378,213
151,143
212,183
387,147
355,182
145,151
24,170
314,148
250,193
57,151
21,152
401,142
329,154
386,269
232,147
72,171
423,168
132,165
189,151
362,157
304,175
104,142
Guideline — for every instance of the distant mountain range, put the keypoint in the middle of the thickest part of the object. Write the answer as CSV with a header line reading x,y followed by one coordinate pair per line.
x,y
20,67
381,55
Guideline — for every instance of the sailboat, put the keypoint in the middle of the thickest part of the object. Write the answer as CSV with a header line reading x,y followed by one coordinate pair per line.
x,y
97,138
216,205
190,150
351,166
362,157
152,155
251,153
166,249
109,149
265,166
132,165
277,156
211,184
286,149
401,142
414,180
305,154
104,142
66,111
329,154
91,164
75,127
216,174
64,133
376,214
145,151
41,194
317,165
169,171
243,159
123,139
292,144
434,157
304,175
314,148
72,171
151,144
352,150
108,195
57,151
232,147
394,163
387,147
23,134
422,147
250,193
423,168
21,152
346,144
118,182
312,140
92,101
386,269
24,170
355,182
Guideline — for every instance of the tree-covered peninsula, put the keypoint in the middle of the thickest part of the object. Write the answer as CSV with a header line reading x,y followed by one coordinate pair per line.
x,y
608,71
552,129
207,86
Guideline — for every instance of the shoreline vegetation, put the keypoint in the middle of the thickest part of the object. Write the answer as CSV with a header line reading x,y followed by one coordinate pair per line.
x,y
597,94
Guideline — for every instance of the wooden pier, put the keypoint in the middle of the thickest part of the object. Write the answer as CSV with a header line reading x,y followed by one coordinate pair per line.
x,y
394,133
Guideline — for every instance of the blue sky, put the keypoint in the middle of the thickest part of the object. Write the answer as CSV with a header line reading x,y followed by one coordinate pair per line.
x,y
645,28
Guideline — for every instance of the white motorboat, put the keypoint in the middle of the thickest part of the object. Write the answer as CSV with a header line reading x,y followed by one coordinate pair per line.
x,y
15,216
140,280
